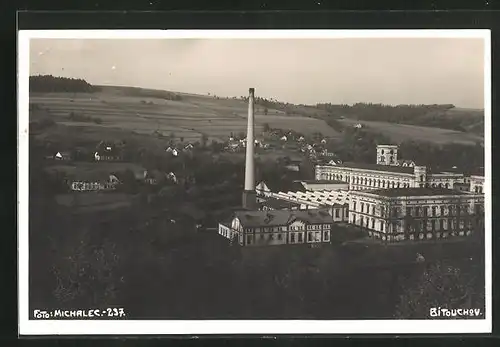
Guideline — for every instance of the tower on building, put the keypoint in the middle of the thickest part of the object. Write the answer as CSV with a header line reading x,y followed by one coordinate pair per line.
x,y
387,155
249,194
420,173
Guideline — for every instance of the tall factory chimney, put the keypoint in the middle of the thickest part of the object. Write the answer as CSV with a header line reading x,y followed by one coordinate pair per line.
x,y
249,195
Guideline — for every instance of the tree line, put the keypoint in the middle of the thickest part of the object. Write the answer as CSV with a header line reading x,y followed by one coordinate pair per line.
x,y
358,145
422,115
53,84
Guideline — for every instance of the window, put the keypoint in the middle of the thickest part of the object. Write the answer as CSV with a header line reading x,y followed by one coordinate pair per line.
x,y
373,223
292,237
337,213
433,211
326,236
433,225
300,237
362,207
249,239
441,224
408,211
354,206
441,210
309,236
382,226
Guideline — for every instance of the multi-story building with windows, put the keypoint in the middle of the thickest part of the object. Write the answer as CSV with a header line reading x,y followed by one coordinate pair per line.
x,y
279,227
477,184
361,176
416,213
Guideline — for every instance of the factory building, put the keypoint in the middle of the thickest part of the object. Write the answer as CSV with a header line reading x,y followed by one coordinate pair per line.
x,y
387,173
416,213
280,227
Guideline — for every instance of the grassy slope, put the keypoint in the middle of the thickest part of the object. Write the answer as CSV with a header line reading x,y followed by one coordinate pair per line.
x,y
198,114
188,118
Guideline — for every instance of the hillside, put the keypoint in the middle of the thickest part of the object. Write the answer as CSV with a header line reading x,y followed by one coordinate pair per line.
x,y
181,115
74,102
435,116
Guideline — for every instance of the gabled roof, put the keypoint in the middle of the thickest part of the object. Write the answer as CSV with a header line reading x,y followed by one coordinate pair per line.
x,y
282,217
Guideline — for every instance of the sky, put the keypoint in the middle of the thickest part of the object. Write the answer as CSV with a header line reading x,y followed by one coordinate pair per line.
x,y
301,71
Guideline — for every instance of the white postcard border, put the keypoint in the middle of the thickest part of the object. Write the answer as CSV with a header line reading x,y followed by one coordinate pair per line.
x,y
201,327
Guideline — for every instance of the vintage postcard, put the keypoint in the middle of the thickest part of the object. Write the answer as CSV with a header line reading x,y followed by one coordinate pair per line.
x,y
254,182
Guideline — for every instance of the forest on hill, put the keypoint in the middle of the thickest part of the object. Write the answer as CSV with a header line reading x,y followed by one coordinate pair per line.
x,y
53,84
440,116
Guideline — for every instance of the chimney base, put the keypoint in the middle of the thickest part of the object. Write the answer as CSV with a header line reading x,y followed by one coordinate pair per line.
x,y
249,200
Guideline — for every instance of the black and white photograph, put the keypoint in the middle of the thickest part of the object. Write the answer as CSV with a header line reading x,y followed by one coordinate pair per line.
x,y
254,182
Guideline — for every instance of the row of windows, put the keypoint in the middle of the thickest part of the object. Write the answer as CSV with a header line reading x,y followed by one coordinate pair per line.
x,y
420,236
439,224
312,236
290,228
418,211
90,186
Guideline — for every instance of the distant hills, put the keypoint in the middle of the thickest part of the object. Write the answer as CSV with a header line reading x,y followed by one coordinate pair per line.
x,y
445,116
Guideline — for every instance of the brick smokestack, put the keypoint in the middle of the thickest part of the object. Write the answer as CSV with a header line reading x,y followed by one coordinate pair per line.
x,y
249,195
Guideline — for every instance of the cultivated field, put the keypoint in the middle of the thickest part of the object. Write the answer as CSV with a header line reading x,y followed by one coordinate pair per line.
x,y
402,132
94,201
83,168
188,118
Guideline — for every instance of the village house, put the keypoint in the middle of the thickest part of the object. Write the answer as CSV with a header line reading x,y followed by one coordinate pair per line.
x,y
153,177
293,165
108,151
66,155
93,181
172,150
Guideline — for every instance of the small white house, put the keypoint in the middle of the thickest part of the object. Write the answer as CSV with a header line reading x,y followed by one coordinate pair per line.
x,y
62,156
301,138
358,126
171,176
284,138
323,141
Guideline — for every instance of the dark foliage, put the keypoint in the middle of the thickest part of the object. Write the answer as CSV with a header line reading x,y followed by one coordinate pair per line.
x,y
51,84
421,115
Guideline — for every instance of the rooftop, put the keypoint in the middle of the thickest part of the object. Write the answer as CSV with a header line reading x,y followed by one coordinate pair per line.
x,y
376,167
323,182
282,217
279,204
285,186
395,192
